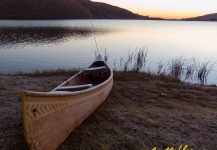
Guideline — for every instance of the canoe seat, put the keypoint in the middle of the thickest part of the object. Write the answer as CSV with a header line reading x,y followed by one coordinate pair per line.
x,y
74,88
94,70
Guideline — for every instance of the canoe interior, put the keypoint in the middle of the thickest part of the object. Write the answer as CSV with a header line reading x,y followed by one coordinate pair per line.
x,y
86,77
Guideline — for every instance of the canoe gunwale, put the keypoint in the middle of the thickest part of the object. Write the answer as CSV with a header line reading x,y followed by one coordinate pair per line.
x,y
63,93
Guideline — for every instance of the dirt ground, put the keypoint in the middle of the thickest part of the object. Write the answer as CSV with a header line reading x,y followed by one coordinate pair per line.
x,y
142,112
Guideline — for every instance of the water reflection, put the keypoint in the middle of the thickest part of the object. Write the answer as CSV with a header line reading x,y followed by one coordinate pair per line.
x,y
11,37
42,44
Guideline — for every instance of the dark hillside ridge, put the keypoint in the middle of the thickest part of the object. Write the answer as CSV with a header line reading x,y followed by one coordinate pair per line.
x,y
209,17
106,11
63,9
42,9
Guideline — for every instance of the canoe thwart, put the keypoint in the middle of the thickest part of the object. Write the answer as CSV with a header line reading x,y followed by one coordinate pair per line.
x,y
74,88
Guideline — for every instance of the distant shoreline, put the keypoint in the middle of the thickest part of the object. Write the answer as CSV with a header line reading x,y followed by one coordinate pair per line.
x,y
110,19
75,9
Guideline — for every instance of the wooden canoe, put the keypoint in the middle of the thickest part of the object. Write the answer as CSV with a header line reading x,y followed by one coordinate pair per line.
x,y
50,117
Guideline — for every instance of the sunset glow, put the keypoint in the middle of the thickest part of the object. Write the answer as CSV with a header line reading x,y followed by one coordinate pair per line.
x,y
168,9
169,14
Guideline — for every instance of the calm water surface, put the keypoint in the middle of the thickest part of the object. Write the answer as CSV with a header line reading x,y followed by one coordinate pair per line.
x,y
30,45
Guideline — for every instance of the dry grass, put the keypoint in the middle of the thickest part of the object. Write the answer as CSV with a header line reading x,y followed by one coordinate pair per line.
x,y
48,73
142,112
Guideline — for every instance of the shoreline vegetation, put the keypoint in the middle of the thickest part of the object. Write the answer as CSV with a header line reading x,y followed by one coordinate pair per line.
x,y
143,111
180,68
188,70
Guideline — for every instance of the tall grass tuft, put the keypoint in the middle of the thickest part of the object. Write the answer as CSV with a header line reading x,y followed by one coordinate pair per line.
x,y
160,68
140,59
203,71
176,67
129,61
190,68
106,56
134,61
121,63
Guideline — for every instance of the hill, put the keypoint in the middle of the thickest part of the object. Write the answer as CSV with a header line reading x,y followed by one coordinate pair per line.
x,y
209,17
64,9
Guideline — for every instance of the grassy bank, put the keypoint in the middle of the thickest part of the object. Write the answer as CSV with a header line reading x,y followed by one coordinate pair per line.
x,y
143,111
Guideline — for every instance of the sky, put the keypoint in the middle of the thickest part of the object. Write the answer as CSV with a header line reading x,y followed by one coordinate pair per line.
x,y
169,9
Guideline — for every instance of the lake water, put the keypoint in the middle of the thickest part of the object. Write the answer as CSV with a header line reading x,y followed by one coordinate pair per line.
x,y
30,45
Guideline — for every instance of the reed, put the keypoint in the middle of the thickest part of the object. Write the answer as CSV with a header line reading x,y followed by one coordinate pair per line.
x,y
106,56
140,59
134,61
190,69
204,70
128,61
160,68
176,67
121,63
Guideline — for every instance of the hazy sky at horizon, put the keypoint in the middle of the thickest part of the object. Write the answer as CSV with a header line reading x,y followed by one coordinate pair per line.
x,y
174,9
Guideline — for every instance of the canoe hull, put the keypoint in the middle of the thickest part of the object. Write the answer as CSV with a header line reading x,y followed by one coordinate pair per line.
x,y
50,118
